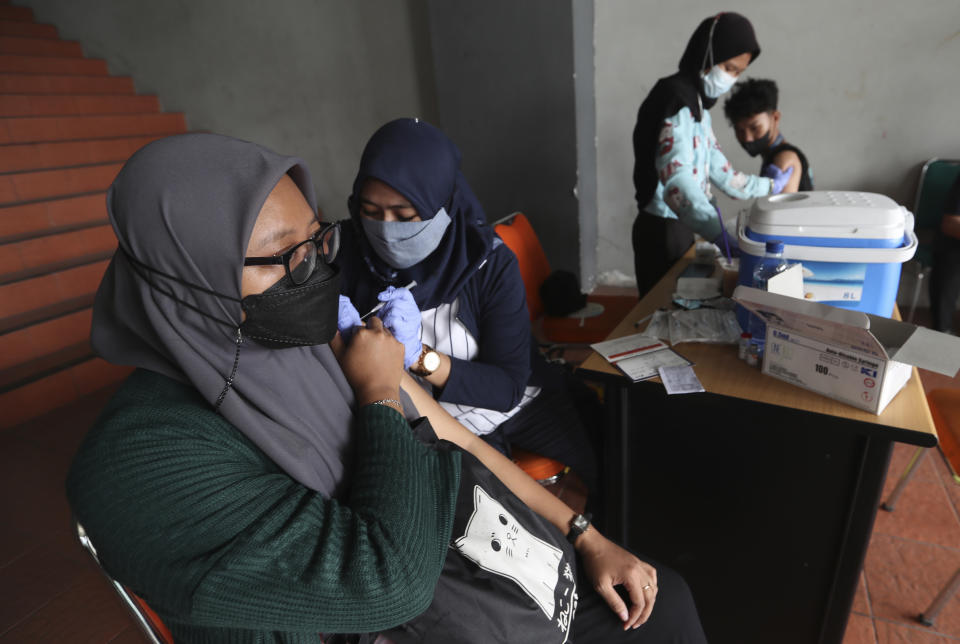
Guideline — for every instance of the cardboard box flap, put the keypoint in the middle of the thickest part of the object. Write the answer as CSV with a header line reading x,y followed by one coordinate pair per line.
x,y
917,346
840,327
874,335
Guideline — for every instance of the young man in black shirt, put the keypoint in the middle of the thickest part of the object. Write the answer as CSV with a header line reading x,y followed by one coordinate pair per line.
x,y
752,111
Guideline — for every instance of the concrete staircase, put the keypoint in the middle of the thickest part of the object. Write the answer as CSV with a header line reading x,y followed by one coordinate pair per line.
x,y
66,127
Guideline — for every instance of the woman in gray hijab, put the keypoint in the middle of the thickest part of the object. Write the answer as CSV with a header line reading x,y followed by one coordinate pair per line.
x,y
247,485
255,480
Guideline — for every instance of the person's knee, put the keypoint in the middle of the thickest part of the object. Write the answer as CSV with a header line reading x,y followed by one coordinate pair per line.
x,y
675,612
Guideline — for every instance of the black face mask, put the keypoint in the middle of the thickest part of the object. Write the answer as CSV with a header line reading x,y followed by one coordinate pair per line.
x,y
757,146
286,315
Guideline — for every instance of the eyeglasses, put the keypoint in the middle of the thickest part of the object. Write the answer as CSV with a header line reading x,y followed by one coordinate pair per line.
x,y
301,260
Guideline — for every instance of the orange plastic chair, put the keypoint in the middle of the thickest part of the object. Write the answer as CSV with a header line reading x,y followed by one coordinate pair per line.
x,y
945,410
148,621
542,469
592,324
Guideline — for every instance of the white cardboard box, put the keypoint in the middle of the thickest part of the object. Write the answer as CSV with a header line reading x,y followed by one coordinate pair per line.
x,y
861,359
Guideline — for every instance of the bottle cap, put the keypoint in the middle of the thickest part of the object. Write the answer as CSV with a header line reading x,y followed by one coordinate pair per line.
x,y
775,246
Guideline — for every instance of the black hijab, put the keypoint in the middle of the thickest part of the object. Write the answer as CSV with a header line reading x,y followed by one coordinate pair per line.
x,y
732,35
183,209
421,163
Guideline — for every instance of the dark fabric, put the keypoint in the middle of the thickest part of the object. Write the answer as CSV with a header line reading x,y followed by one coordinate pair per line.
x,y
945,283
945,273
421,163
732,36
561,423
560,294
509,575
674,619
657,244
186,206
806,178
227,548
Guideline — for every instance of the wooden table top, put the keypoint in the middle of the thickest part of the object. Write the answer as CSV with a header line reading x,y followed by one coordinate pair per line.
x,y
722,372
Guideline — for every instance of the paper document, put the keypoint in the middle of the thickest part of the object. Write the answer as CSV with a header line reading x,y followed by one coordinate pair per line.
x,y
639,356
680,380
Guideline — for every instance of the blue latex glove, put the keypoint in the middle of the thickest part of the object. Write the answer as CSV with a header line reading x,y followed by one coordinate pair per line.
x,y
347,317
401,315
780,177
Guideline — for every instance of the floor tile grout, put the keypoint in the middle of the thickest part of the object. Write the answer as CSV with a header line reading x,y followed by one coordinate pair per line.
x,y
917,626
919,541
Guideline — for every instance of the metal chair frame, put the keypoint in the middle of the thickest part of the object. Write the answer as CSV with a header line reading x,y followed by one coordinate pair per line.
x,y
921,270
928,616
146,625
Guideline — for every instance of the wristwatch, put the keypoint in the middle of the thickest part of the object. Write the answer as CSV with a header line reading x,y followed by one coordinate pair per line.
x,y
428,363
578,525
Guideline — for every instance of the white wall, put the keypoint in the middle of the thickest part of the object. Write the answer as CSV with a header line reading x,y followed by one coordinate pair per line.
x,y
868,89
313,78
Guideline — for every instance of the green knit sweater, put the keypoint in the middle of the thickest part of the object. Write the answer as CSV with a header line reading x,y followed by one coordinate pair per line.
x,y
226,547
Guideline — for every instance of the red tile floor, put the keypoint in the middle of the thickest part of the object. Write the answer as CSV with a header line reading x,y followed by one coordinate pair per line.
x,y
51,592
913,552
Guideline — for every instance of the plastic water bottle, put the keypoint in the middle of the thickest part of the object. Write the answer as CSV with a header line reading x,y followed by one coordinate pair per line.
x,y
772,263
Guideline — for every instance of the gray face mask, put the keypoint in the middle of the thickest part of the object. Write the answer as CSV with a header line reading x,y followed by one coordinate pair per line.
x,y
401,244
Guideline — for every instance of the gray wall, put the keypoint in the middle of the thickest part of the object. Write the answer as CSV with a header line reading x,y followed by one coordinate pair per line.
x,y
312,78
869,89
504,78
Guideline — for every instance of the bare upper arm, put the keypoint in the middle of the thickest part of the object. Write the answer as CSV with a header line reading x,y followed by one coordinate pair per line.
x,y
790,159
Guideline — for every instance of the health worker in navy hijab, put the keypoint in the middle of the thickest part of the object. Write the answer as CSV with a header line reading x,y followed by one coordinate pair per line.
x,y
465,323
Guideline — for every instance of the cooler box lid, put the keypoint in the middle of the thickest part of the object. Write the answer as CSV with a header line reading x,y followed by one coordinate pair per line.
x,y
829,213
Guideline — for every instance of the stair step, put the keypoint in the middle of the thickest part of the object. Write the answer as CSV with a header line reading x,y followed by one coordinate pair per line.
x,y
22,373
30,257
38,156
19,298
12,83
20,14
26,220
50,65
57,389
40,47
27,29
24,345
72,128
44,184
56,105
46,313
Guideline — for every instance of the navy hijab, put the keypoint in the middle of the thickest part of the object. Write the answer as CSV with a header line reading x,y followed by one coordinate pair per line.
x,y
421,163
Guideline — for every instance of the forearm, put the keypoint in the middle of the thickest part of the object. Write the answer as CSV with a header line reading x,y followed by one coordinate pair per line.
x,y
528,490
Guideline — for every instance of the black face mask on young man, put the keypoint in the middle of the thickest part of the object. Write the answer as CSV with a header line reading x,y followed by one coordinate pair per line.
x,y
757,146
287,315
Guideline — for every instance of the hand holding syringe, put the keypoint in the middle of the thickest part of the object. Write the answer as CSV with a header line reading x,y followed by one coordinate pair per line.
x,y
380,304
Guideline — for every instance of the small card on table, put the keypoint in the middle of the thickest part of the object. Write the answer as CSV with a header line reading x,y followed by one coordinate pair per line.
x,y
639,356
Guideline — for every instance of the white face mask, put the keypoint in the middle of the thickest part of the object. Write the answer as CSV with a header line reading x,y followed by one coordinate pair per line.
x,y
717,82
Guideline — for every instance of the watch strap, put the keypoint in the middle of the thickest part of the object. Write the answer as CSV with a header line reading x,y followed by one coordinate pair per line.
x,y
578,525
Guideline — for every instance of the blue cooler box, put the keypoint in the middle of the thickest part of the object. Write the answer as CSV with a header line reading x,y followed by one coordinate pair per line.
x,y
851,245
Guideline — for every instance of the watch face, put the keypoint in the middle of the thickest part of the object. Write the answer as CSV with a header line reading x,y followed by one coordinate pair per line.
x,y
431,361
